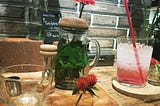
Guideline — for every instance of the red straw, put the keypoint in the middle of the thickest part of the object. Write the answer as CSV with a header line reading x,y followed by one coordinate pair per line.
x,y
130,23
133,39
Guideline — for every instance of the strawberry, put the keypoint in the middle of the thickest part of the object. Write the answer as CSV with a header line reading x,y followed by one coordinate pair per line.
x,y
154,61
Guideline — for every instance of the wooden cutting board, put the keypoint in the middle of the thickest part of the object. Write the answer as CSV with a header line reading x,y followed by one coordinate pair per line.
x,y
65,98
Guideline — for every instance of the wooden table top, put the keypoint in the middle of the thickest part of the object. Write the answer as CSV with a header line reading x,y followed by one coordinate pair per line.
x,y
104,75
65,98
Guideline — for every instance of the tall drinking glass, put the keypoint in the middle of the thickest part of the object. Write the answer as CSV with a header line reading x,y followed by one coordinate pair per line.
x,y
133,62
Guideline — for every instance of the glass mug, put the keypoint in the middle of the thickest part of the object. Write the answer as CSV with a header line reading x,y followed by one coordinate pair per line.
x,y
25,84
133,63
72,57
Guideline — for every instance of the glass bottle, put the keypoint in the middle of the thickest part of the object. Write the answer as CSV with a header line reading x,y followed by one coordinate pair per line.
x,y
49,53
44,23
36,31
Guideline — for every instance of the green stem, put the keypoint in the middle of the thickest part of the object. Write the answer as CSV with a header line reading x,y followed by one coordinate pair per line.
x,y
81,10
40,32
80,96
145,20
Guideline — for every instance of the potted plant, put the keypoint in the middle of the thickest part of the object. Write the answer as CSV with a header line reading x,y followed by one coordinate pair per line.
x,y
154,31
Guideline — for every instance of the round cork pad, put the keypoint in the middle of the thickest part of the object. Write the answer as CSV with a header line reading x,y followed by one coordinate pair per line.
x,y
147,93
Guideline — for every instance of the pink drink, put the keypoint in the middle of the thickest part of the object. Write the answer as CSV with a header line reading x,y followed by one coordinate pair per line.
x,y
131,76
128,71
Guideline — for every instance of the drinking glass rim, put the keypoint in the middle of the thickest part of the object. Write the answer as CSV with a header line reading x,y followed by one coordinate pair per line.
x,y
136,37
16,78
17,65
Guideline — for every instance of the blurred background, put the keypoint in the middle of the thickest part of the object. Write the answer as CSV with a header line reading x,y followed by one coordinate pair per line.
x,y
107,20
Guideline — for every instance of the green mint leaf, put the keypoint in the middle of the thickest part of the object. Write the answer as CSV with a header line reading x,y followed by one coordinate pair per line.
x,y
95,88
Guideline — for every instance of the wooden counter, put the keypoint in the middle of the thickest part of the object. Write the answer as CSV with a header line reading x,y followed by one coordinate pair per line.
x,y
105,75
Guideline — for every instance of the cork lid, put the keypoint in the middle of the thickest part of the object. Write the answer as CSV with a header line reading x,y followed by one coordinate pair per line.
x,y
73,22
48,47
48,50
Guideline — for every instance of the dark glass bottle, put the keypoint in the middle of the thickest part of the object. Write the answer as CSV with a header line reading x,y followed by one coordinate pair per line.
x,y
35,23
44,23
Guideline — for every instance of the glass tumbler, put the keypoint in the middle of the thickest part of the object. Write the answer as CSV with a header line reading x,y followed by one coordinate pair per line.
x,y
25,84
133,62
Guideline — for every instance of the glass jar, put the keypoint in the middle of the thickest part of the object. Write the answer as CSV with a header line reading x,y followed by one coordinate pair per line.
x,y
72,56
154,75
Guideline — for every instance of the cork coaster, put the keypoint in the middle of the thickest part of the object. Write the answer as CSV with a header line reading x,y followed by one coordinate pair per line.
x,y
147,93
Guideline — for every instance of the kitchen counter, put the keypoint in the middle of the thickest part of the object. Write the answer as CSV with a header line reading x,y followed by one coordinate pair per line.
x,y
105,74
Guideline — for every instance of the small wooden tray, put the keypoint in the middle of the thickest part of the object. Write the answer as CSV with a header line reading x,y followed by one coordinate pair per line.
x,y
147,93
65,98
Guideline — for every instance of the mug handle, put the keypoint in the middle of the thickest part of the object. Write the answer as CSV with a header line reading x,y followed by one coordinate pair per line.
x,y
96,58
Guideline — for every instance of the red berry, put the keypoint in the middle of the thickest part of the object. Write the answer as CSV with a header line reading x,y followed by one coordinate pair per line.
x,y
154,61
